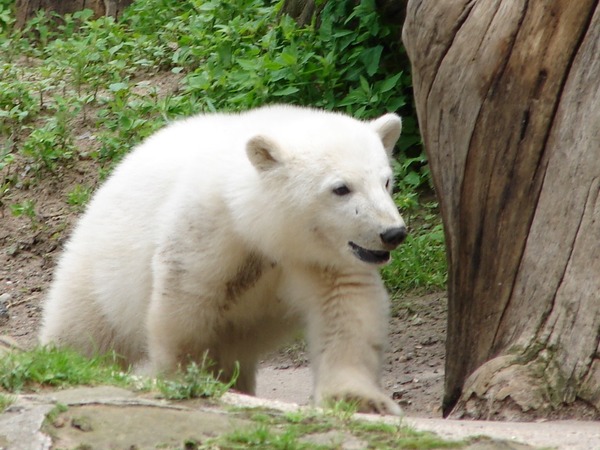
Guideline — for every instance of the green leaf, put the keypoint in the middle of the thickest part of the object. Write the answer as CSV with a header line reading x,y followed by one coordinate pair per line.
x,y
364,84
389,83
286,91
412,179
118,87
370,58
288,59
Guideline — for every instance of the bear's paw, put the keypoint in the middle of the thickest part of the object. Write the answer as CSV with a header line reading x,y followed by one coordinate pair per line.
x,y
371,403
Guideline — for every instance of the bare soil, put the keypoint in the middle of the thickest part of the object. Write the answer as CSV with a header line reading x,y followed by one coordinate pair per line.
x,y
29,247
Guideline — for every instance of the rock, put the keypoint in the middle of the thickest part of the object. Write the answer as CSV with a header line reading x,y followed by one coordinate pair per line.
x,y
4,315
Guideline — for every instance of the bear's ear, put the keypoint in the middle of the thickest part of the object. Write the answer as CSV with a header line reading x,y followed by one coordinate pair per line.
x,y
388,127
263,153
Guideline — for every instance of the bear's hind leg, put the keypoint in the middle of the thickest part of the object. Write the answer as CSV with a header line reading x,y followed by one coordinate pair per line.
x,y
81,326
173,347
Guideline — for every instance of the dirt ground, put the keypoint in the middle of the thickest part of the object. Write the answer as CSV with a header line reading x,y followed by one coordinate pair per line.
x,y
30,245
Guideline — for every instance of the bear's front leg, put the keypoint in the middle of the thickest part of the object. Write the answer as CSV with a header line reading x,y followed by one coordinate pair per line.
x,y
347,329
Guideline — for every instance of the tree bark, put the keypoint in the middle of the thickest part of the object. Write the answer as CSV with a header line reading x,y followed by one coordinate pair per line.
x,y
508,100
26,9
302,11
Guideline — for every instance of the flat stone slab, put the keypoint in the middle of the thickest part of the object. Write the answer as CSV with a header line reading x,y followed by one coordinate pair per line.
x,y
110,417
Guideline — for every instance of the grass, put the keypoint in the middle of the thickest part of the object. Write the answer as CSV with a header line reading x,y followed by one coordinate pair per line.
x,y
419,265
312,429
195,381
51,367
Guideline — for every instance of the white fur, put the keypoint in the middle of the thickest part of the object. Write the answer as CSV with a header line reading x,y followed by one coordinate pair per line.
x,y
221,233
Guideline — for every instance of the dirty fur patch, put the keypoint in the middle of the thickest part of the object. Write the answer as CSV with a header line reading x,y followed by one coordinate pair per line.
x,y
247,275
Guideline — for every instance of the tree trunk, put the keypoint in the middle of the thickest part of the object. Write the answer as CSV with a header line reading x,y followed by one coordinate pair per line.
x,y
508,100
26,9
302,11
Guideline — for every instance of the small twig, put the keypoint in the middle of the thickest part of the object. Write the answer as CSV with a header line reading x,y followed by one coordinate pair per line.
x,y
18,303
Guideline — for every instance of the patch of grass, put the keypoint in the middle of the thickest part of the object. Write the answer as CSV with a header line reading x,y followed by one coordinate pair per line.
x,y
25,208
411,439
195,381
56,411
52,367
5,401
60,368
78,197
51,143
342,409
264,437
419,265
301,429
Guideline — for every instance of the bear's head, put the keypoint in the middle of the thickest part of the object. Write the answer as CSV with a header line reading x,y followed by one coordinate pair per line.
x,y
325,185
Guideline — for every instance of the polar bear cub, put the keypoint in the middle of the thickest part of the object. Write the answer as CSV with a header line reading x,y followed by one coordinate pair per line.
x,y
223,234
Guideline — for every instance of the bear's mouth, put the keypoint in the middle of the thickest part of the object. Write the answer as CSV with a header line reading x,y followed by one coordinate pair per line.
x,y
369,256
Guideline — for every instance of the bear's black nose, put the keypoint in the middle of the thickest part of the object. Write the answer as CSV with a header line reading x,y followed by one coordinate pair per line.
x,y
394,236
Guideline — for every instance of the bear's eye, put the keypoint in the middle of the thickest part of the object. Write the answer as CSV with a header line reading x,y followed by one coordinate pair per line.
x,y
387,184
341,190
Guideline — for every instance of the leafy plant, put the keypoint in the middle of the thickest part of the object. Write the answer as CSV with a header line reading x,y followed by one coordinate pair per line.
x,y
52,142
195,381
18,104
79,196
6,14
25,208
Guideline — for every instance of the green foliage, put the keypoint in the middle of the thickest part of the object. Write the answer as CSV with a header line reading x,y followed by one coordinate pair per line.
x,y
343,409
49,366
18,104
196,381
264,437
232,56
25,208
79,196
51,142
419,264
7,17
